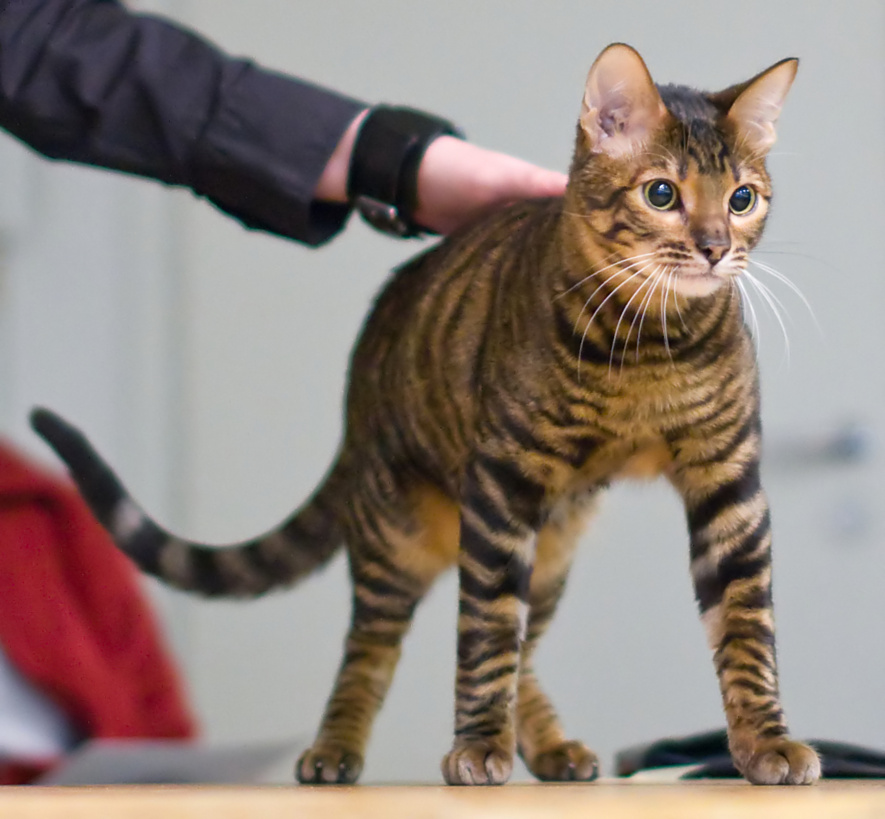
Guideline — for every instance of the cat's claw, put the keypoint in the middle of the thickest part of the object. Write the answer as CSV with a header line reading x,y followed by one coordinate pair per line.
x,y
782,762
569,762
479,763
328,766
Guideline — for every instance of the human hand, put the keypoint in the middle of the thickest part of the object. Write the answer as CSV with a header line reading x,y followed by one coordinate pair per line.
x,y
457,181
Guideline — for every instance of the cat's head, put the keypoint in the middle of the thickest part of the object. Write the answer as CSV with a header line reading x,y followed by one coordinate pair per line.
x,y
671,179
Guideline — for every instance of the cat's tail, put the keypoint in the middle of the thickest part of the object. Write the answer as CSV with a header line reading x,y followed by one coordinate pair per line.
x,y
280,558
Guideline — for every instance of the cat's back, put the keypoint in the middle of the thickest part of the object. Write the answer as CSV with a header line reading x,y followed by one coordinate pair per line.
x,y
441,302
416,364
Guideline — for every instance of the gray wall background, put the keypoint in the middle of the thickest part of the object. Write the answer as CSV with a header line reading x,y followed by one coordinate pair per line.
x,y
208,363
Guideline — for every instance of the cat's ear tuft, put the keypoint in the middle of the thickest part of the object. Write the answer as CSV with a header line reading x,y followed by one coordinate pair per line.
x,y
621,104
754,107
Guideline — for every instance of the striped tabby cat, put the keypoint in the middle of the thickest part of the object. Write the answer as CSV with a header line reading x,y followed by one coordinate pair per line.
x,y
504,378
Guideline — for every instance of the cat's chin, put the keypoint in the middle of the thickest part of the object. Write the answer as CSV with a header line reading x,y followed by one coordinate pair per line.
x,y
698,285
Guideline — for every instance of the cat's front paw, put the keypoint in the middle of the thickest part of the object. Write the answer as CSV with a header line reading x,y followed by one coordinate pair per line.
x,y
781,762
328,766
481,762
568,762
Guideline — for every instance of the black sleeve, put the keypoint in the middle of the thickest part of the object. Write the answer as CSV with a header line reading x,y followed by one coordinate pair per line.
x,y
90,82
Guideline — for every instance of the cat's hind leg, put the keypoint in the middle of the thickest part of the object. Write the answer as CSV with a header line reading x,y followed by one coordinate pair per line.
x,y
542,743
392,564
502,516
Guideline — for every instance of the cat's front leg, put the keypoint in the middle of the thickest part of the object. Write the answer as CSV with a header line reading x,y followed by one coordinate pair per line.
x,y
500,511
730,530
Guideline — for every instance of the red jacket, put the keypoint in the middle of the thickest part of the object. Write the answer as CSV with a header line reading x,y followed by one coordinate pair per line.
x,y
73,618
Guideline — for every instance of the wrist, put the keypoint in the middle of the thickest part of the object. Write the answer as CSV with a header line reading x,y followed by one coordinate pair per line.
x,y
387,156
332,184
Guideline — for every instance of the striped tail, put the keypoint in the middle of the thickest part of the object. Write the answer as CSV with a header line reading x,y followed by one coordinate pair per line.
x,y
280,558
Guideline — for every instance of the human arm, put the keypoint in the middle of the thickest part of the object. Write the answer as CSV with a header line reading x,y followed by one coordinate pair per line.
x,y
88,81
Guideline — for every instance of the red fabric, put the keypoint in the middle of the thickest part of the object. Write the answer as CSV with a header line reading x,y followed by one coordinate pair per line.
x,y
73,618
21,773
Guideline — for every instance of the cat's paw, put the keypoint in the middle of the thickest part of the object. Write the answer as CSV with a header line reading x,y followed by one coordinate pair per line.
x,y
482,762
328,766
781,762
569,762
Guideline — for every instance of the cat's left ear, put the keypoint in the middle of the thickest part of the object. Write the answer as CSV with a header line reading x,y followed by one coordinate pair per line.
x,y
754,107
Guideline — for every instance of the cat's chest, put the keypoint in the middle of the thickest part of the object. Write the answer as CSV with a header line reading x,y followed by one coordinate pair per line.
x,y
632,427
644,406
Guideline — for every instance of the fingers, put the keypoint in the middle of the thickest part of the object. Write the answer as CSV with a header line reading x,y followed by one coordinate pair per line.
x,y
457,181
543,182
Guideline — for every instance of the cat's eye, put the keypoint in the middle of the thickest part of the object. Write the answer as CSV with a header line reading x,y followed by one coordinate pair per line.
x,y
743,200
661,194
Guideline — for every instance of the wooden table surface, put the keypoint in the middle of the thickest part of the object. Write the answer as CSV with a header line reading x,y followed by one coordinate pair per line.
x,y
603,800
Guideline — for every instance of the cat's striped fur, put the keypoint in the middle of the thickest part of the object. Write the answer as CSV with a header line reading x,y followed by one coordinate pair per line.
x,y
503,379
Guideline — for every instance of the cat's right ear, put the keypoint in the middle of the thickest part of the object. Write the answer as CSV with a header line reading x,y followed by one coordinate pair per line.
x,y
621,105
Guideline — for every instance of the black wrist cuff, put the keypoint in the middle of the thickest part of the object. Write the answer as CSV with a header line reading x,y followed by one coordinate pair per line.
x,y
382,182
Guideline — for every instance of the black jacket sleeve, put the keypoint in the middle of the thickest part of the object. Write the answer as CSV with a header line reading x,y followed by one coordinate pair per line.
x,y
90,82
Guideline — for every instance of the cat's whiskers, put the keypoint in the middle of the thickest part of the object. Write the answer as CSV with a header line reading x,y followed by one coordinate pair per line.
x,y
618,326
731,291
773,303
665,293
765,268
602,270
764,288
646,302
747,304
602,286
676,303
648,280
765,247
601,305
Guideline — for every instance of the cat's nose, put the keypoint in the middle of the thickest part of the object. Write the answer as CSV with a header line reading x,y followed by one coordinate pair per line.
x,y
714,246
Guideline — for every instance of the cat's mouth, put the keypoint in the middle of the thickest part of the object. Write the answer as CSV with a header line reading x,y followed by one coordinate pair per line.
x,y
698,282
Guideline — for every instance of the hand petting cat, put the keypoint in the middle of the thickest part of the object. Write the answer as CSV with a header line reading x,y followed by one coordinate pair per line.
x,y
457,181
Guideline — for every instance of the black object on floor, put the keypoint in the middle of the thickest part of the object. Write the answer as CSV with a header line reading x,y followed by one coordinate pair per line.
x,y
708,756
